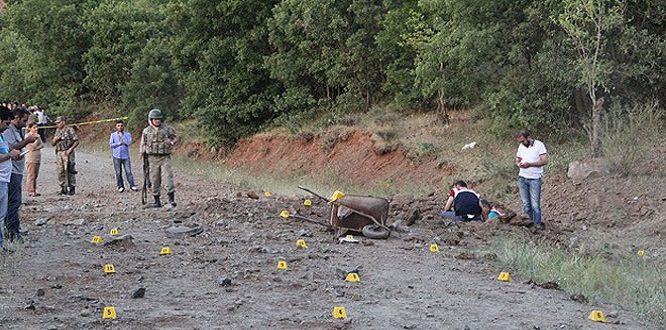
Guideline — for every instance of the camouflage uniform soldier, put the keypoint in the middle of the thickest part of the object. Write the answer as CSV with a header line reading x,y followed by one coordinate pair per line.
x,y
156,142
65,141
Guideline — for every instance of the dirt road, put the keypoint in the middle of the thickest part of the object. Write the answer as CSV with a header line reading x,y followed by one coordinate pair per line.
x,y
227,278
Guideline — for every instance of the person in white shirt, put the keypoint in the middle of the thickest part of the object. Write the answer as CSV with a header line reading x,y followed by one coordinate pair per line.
x,y
530,158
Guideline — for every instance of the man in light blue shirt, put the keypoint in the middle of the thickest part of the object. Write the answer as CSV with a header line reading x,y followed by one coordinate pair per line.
x,y
6,156
15,139
119,143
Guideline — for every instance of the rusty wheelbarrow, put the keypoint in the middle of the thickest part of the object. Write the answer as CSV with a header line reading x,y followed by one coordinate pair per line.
x,y
363,214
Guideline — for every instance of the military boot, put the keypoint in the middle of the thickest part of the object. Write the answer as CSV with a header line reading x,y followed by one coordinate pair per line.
x,y
72,190
63,191
157,201
172,199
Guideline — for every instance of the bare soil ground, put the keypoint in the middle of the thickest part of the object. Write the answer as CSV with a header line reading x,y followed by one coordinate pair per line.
x,y
227,277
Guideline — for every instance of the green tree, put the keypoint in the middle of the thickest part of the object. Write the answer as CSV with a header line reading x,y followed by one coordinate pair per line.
x,y
589,25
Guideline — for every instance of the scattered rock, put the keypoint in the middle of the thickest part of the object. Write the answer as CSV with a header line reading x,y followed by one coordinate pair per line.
x,y
30,306
466,256
192,229
614,314
224,281
588,169
41,221
85,312
125,241
579,298
252,195
139,293
40,292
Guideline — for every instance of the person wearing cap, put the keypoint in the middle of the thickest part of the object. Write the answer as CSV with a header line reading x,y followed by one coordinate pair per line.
x,y
65,141
157,141
14,137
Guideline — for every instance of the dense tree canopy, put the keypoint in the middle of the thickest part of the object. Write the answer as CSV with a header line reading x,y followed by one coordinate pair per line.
x,y
240,65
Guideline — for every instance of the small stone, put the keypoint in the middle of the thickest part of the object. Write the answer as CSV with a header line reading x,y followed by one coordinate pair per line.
x,y
40,292
41,221
614,314
139,293
224,281
85,313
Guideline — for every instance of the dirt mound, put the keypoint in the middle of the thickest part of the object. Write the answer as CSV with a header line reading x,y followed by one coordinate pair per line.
x,y
347,153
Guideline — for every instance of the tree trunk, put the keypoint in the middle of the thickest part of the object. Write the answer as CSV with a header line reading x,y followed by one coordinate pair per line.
x,y
597,109
442,114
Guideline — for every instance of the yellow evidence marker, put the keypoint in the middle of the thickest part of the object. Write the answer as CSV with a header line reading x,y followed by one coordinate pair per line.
x,y
641,253
434,248
109,313
282,265
166,251
109,269
336,195
114,232
339,313
350,236
307,202
284,214
597,316
352,277
301,243
97,239
268,194
504,277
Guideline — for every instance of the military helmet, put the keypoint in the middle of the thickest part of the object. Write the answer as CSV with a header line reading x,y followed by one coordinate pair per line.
x,y
155,114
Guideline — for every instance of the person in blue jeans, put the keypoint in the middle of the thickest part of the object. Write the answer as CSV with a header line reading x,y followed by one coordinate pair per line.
x,y
119,143
16,140
6,156
530,159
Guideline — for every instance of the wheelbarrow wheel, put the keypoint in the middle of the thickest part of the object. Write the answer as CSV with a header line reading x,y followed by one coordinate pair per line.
x,y
375,232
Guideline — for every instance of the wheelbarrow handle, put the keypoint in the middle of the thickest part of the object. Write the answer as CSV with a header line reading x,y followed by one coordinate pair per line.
x,y
314,193
300,217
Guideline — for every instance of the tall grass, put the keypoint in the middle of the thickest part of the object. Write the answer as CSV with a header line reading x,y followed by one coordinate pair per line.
x,y
632,281
630,138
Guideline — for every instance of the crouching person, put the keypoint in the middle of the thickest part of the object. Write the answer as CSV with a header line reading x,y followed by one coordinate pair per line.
x,y
463,204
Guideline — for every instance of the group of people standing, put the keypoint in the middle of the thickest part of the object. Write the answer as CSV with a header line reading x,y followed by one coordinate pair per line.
x,y
20,152
464,204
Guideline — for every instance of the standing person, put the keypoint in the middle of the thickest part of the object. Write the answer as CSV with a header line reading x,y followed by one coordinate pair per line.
x,y
119,143
530,158
157,140
33,160
6,155
42,120
65,141
13,135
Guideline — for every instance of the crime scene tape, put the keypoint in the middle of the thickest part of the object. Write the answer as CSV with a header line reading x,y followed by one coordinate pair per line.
x,y
89,122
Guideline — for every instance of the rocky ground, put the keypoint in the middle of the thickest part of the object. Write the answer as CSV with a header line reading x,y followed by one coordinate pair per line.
x,y
227,276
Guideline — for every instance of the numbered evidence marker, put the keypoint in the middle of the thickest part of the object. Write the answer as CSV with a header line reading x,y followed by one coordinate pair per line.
x,y
641,253
96,239
114,232
352,277
504,277
339,312
109,313
434,248
350,236
166,251
307,202
109,269
282,265
336,195
597,316
301,243
267,194
284,214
